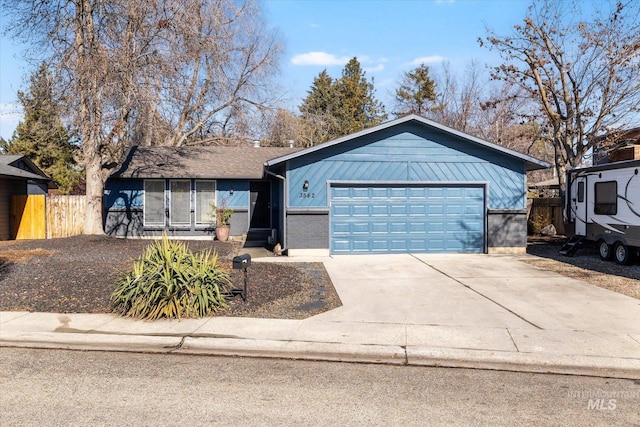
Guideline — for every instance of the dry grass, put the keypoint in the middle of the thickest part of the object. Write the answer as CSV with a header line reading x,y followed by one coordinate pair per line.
x,y
586,265
18,255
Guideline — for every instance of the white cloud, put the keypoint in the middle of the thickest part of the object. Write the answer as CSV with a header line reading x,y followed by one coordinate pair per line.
x,y
378,67
319,58
427,60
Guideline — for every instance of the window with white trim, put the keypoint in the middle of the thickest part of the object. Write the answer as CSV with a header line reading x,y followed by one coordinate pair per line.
x,y
180,202
154,202
205,198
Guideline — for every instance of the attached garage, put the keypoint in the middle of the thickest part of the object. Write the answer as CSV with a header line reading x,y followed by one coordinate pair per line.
x,y
409,185
401,218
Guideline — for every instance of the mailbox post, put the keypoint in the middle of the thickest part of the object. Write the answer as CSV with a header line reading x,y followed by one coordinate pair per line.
x,y
241,262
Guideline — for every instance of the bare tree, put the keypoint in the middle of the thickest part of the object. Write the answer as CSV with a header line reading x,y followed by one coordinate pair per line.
x,y
218,64
582,72
191,66
458,100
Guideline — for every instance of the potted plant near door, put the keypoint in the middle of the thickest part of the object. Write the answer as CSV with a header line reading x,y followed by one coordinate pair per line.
x,y
222,214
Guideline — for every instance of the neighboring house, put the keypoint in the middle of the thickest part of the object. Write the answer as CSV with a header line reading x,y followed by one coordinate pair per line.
x,y
617,146
18,176
408,185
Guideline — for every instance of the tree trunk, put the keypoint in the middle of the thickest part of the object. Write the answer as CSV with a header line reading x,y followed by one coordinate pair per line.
x,y
95,189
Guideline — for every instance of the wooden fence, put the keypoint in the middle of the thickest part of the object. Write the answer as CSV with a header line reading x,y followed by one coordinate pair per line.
x,y
545,211
45,217
28,217
65,215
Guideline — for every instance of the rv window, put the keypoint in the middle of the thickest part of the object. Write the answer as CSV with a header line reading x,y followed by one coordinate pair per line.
x,y
606,202
581,192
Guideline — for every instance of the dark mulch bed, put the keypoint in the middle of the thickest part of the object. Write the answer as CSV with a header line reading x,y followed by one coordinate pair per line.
x,y
77,275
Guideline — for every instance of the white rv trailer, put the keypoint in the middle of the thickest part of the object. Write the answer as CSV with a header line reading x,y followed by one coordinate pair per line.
x,y
603,205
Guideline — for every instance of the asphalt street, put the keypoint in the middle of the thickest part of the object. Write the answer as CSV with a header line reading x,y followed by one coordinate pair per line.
x,y
58,387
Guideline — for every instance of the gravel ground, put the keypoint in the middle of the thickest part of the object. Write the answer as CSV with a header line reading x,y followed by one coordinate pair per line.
x,y
586,265
77,275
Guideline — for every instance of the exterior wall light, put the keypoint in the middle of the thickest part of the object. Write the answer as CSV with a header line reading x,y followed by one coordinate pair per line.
x,y
305,186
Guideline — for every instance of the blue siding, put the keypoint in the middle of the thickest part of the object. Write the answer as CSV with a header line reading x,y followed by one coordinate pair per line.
x,y
410,152
240,197
124,203
129,193
124,193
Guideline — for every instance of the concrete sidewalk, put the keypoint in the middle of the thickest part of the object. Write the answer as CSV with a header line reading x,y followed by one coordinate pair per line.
x,y
487,324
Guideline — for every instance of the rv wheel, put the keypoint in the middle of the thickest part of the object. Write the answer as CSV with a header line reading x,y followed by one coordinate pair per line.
x,y
605,250
621,253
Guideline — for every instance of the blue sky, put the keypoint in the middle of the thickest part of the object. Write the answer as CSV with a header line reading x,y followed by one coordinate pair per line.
x,y
388,37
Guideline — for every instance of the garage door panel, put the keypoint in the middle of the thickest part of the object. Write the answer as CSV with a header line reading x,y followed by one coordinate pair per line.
x,y
379,210
418,227
379,227
359,210
419,209
379,193
341,210
393,218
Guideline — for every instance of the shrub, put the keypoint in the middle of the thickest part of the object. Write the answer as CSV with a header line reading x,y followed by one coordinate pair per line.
x,y
169,281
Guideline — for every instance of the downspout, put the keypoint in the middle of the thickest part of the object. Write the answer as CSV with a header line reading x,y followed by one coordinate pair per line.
x,y
284,207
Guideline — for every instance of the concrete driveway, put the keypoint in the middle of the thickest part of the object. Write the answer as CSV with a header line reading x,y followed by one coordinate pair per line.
x,y
473,291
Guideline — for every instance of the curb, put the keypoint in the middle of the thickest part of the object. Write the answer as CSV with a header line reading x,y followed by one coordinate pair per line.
x,y
302,350
102,342
593,366
607,367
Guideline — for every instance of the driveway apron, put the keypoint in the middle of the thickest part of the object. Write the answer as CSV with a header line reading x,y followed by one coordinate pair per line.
x,y
403,289
472,290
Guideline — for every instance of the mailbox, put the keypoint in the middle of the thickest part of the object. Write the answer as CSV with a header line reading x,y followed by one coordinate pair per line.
x,y
241,261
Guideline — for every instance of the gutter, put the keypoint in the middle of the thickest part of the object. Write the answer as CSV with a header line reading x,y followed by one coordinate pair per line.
x,y
284,205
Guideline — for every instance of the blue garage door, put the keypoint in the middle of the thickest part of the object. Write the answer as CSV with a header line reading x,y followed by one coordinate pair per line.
x,y
401,218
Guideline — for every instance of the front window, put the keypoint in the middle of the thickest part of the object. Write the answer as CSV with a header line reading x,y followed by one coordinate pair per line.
x,y
606,198
180,202
205,198
154,202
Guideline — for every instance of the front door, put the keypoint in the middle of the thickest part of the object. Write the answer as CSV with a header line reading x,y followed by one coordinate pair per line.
x,y
580,205
260,204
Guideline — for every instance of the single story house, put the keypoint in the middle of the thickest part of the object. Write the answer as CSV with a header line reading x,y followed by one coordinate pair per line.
x,y
407,185
172,189
18,176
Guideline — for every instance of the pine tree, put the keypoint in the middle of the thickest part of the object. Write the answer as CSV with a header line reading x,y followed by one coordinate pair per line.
x,y
417,92
338,107
359,109
42,137
321,98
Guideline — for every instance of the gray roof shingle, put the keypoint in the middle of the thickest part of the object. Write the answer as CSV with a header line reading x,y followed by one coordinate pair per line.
x,y
206,162
8,169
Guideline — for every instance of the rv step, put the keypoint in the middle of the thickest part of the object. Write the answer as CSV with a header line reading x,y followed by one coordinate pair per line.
x,y
571,246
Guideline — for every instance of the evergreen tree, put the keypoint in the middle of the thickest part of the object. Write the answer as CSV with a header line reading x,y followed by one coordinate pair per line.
x,y
417,92
321,98
42,137
342,106
359,109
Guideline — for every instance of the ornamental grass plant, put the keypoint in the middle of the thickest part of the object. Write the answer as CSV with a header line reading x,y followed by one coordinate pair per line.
x,y
169,281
